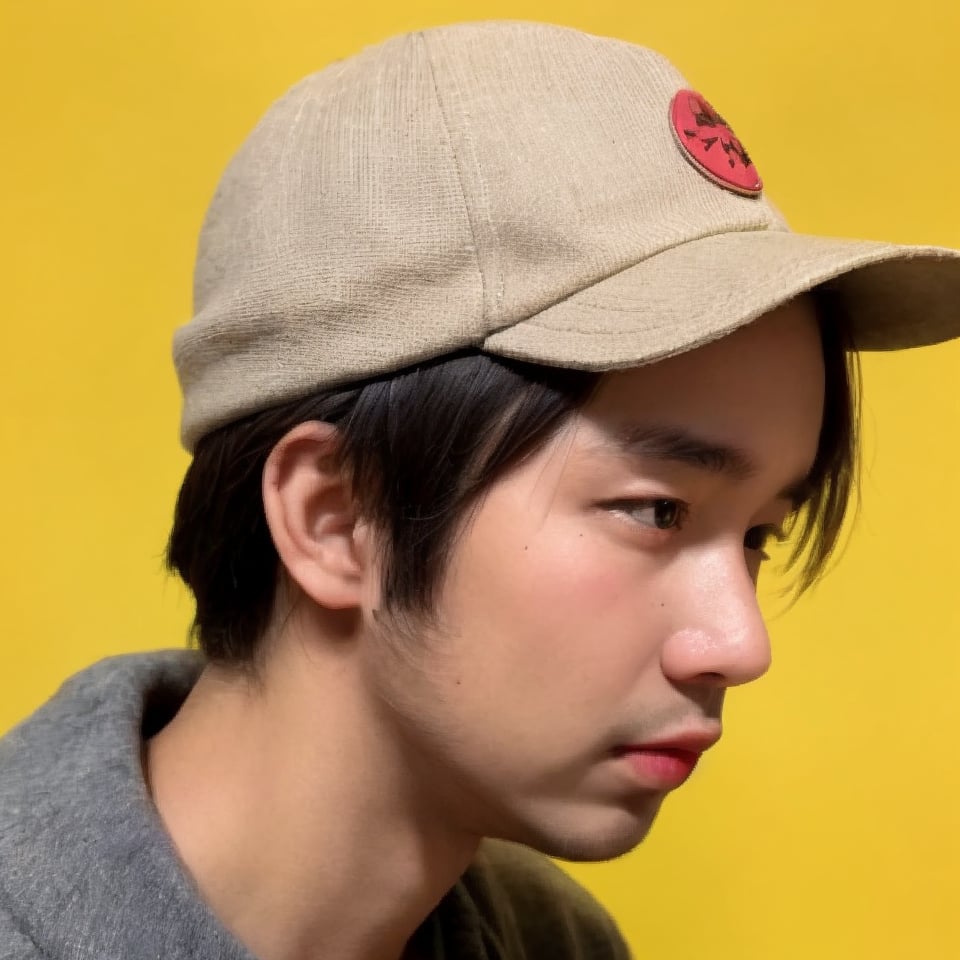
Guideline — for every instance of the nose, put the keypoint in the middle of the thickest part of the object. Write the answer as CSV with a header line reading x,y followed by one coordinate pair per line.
x,y
716,635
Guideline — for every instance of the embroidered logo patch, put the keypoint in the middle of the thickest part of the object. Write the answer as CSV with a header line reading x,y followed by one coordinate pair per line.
x,y
707,141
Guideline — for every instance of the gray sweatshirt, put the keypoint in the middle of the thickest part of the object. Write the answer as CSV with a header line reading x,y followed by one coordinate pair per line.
x,y
87,871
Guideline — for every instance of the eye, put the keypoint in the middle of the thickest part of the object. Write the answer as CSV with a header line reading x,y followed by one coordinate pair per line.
x,y
663,514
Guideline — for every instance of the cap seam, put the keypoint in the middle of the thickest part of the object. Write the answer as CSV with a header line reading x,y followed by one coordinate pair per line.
x,y
531,318
537,321
458,167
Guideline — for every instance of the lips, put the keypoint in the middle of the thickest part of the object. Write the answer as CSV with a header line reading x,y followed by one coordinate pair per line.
x,y
690,741
666,763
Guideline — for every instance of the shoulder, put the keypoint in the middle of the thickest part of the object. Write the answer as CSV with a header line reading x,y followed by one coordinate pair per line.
x,y
538,909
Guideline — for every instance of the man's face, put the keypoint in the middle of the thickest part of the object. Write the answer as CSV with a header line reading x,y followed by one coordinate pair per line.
x,y
603,597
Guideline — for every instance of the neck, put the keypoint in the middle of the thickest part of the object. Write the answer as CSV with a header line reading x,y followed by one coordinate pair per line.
x,y
305,827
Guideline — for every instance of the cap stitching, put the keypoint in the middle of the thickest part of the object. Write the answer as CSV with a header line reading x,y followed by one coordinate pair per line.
x,y
458,166
889,252
531,318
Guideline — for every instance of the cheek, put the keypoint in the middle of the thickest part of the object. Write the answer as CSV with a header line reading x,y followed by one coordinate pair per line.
x,y
557,598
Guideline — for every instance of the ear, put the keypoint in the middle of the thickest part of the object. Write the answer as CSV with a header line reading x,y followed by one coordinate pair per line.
x,y
310,513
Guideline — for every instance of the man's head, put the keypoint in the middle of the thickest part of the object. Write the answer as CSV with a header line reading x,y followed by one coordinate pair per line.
x,y
499,382
534,568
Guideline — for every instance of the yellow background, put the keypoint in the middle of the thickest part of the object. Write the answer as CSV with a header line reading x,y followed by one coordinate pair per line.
x,y
826,824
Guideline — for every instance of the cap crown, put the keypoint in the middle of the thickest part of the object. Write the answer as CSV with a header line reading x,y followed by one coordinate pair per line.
x,y
428,192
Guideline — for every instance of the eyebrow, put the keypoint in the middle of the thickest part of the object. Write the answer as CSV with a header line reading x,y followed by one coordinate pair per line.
x,y
679,446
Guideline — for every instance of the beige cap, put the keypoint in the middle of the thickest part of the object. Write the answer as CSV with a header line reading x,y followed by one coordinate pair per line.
x,y
521,188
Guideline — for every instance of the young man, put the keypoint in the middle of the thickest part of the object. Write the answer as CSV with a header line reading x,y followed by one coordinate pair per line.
x,y
503,373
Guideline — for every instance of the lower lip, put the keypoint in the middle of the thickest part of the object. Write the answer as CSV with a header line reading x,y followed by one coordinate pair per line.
x,y
662,769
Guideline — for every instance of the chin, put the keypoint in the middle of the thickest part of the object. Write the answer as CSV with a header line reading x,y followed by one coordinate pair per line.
x,y
592,835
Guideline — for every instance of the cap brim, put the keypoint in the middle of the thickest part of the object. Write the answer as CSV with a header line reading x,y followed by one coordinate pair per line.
x,y
892,296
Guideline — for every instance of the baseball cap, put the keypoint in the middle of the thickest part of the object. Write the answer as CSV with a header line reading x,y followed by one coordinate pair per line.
x,y
524,189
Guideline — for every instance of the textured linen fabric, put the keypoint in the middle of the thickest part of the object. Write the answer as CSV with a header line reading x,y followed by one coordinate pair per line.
x,y
87,871
505,186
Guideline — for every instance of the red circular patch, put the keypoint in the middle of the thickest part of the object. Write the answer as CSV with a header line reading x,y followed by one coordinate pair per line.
x,y
707,141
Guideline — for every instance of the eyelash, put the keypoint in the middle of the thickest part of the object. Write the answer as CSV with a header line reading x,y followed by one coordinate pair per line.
x,y
679,508
679,516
